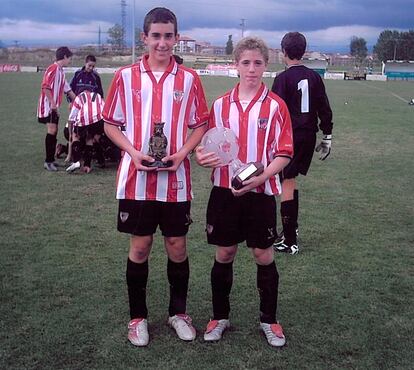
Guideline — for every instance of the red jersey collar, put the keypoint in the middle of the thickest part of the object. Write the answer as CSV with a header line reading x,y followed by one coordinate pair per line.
x,y
260,95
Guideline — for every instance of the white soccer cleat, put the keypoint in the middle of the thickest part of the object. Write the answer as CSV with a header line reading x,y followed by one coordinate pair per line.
x,y
274,334
182,324
73,167
138,332
215,329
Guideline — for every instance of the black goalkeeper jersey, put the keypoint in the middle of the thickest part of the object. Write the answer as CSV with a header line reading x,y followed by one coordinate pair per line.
x,y
304,93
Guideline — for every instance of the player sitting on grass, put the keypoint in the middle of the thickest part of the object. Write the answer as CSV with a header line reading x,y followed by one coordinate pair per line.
x,y
85,121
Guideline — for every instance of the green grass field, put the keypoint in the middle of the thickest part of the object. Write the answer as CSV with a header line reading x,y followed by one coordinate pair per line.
x,y
346,301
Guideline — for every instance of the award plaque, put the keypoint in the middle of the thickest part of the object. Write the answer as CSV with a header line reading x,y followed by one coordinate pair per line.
x,y
223,142
157,147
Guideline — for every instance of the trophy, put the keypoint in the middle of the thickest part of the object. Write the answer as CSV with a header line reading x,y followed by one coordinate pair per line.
x,y
223,142
157,147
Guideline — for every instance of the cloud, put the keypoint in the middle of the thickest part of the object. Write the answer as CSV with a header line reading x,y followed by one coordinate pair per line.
x,y
324,22
323,39
27,30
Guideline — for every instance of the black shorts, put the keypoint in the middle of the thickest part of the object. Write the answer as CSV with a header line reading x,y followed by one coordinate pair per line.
x,y
88,132
304,146
141,217
53,117
232,220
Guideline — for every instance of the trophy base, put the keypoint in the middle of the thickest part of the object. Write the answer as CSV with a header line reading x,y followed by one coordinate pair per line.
x,y
246,172
157,164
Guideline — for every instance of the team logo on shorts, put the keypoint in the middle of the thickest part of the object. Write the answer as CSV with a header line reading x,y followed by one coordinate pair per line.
x,y
271,231
262,123
137,94
178,95
123,216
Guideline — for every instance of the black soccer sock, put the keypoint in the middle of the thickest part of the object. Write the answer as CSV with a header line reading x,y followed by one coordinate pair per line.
x,y
221,283
87,155
287,210
178,274
99,153
76,151
296,207
268,286
137,277
50,145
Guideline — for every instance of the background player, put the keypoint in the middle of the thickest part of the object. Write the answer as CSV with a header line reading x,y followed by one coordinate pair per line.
x,y
304,93
261,121
85,122
54,85
155,90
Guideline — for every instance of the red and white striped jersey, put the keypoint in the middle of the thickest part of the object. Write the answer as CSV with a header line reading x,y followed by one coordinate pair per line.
x,y
264,132
136,100
86,109
53,80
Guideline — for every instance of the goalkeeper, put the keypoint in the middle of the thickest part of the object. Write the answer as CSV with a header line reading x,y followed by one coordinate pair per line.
x,y
304,92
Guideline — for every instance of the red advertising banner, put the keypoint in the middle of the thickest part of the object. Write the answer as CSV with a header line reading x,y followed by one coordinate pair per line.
x,y
9,68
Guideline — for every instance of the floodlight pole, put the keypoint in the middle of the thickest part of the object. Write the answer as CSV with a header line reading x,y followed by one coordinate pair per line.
x,y
395,49
133,34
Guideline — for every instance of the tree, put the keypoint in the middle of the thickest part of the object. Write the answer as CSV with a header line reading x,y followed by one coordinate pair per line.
x,y
229,45
358,49
116,36
395,45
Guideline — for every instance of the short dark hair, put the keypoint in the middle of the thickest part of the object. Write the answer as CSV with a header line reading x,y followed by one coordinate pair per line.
x,y
90,58
160,15
63,52
294,45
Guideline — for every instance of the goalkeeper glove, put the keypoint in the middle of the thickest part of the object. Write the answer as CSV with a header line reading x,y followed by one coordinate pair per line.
x,y
324,147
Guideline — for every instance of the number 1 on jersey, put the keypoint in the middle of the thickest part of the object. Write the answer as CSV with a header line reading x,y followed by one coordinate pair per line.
x,y
303,87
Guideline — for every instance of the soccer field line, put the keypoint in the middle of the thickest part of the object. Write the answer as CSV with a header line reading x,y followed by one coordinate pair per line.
x,y
393,94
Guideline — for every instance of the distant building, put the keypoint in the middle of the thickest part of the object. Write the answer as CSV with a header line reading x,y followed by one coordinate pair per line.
x,y
337,59
185,45
275,56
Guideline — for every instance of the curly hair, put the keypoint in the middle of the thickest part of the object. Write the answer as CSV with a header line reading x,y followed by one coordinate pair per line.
x,y
251,43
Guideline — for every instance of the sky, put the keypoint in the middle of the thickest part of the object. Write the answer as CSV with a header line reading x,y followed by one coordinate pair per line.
x,y
327,24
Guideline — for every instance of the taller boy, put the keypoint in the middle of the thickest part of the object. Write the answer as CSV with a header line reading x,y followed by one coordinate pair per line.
x,y
304,93
156,90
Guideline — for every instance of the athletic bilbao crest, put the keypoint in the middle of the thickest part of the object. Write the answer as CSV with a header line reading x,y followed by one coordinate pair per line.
x,y
123,216
137,94
262,123
178,95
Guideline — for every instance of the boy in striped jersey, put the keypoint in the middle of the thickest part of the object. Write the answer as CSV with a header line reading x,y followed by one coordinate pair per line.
x,y
152,91
54,85
261,121
85,122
